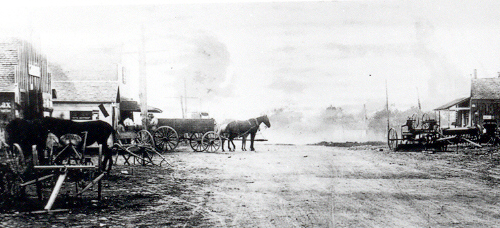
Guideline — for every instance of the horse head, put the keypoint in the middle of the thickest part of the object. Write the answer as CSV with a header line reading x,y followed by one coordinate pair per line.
x,y
266,121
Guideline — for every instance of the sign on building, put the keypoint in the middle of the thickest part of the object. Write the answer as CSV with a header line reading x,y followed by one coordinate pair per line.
x,y
34,70
80,115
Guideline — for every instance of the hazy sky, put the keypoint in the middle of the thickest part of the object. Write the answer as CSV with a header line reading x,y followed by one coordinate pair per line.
x,y
238,60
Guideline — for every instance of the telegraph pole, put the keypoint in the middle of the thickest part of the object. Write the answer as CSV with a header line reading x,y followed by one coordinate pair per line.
x,y
143,93
387,106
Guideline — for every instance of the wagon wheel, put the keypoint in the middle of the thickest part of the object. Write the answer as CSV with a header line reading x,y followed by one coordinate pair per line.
x,y
15,158
143,137
415,122
195,141
392,139
166,138
212,141
425,121
9,185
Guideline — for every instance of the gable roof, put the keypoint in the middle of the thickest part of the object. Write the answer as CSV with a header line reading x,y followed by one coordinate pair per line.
x,y
485,88
85,91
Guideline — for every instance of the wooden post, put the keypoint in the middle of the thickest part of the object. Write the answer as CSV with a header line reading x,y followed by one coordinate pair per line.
x,y
35,163
387,106
55,192
143,81
99,183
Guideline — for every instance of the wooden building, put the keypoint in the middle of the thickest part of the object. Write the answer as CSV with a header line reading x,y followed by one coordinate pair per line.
x,y
25,83
482,106
86,100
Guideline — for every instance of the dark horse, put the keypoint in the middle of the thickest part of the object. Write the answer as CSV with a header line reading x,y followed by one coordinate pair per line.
x,y
242,128
34,132
26,133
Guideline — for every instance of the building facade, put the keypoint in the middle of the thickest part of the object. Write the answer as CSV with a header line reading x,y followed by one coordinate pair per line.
x,y
482,106
25,83
86,100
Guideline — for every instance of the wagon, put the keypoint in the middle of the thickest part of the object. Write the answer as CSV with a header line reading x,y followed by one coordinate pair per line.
x,y
425,133
136,144
200,134
69,161
420,132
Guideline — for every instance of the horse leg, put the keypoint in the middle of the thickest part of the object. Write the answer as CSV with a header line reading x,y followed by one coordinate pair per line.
x,y
252,138
107,161
231,138
223,140
243,143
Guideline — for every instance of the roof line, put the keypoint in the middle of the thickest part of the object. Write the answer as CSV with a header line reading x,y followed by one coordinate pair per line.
x,y
90,81
93,102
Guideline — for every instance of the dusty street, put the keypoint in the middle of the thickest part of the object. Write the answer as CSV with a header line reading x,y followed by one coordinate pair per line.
x,y
291,186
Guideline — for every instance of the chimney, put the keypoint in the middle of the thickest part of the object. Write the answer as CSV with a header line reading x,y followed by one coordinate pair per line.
x,y
475,73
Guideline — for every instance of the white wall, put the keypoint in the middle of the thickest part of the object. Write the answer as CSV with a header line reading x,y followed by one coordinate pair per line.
x,y
62,110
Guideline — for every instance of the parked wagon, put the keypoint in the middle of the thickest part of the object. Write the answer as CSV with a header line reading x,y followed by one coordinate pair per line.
x,y
417,132
136,143
68,161
200,134
426,134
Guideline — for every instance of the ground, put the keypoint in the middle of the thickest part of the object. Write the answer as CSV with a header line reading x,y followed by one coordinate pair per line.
x,y
288,186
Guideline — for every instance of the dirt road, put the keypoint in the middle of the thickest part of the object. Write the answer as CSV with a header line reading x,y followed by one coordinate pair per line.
x,y
290,186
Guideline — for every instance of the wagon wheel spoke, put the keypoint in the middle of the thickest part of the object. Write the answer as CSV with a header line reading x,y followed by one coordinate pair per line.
x,y
143,137
415,121
425,121
166,139
392,139
15,156
196,143
212,141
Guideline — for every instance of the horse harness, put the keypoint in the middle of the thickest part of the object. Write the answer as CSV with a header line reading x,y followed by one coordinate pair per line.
x,y
251,128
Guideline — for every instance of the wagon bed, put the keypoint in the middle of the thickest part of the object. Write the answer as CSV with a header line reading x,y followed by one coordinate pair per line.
x,y
199,133
183,126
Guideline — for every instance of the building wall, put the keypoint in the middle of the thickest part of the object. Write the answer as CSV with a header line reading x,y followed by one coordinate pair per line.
x,y
23,71
482,108
63,110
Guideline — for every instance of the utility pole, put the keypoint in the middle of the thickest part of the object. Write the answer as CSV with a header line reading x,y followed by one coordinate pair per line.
x,y
185,98
387,106
418,97
143,93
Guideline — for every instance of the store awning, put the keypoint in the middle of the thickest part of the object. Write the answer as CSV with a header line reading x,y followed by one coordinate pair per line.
x,y
133,106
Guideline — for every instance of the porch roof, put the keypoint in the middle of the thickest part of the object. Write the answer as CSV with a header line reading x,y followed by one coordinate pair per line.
x,y
133,106
452,103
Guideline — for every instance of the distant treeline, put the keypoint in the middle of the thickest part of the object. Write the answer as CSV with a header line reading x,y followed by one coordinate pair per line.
x,y
350,144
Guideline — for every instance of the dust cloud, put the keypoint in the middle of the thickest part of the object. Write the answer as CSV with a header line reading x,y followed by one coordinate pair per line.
x,y
332,124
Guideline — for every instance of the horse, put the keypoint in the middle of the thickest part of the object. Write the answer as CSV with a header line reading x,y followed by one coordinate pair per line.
x,y
224,135
98,131
40,132
243,128
27,133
